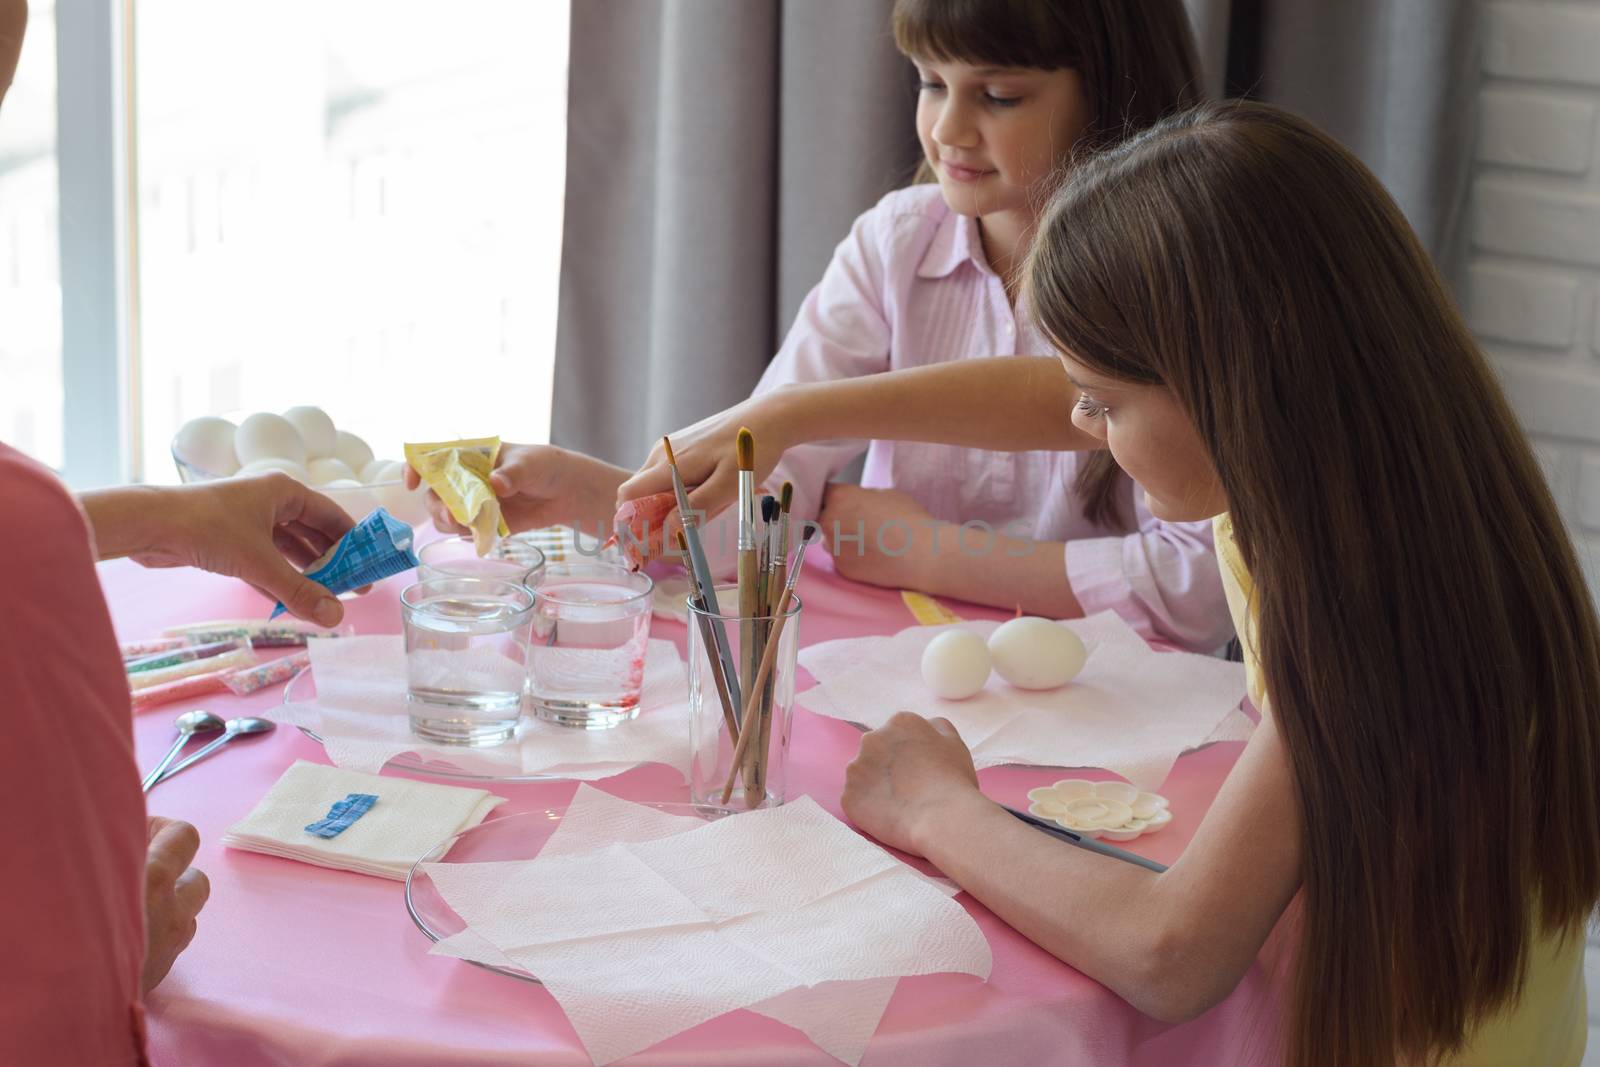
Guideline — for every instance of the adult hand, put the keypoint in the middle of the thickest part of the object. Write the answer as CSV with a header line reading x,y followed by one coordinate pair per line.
x,y
174,893
907,775
707,453
261,530
542,485
898,539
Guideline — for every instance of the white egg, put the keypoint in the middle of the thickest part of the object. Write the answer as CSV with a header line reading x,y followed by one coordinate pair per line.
x,y
272,463
1033,653
376,471
352,450
316,429
206,443
384,471
326,470
955,665
268,436
341,483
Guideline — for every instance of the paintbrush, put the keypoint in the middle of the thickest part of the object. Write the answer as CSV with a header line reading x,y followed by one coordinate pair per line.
x,y
719,668
1081,841
700,578
780,550
772,587
749,571
747,721
765,545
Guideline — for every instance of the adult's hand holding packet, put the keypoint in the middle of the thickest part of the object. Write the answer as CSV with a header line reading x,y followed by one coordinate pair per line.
x,y
375,548
458,473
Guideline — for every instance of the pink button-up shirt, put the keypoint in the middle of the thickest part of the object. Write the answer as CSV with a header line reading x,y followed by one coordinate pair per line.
x,y
910,287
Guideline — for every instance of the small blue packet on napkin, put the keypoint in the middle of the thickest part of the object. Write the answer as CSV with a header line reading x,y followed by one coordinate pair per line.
x,y
342,814
375,548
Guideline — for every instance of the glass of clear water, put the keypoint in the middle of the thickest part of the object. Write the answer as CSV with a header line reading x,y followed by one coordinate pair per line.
x,y
466,658
457,557
586,663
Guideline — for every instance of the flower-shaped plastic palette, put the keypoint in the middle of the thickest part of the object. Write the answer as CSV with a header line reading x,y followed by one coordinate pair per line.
x,y
1115,811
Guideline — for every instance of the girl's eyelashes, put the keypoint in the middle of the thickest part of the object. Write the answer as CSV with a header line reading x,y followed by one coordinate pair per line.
x,y
996,100
1088,407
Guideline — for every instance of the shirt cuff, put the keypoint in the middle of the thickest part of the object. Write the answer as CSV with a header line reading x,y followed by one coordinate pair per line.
x,y
1099,580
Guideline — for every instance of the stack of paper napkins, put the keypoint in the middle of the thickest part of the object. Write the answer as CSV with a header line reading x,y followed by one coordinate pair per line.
x,y
1131,710
408,819
364,720
644,924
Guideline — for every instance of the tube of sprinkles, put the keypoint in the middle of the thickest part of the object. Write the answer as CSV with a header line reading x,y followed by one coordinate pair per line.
x,y
181,655
183,688
135,649
228,661
285,634
248,680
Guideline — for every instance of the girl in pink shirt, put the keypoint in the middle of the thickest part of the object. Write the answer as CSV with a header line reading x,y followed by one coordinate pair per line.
x,y
1009,91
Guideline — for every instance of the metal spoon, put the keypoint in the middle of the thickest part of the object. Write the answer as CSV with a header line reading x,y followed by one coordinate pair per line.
x,y
188,724
236,728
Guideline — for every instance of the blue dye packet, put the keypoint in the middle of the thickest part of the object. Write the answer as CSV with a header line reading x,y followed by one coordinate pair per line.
x,y
342,814
375,548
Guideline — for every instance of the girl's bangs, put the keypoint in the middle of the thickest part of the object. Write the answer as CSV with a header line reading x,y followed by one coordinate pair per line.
x,y
999,33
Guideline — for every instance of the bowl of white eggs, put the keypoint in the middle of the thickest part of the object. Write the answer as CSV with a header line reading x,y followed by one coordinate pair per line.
x,y
303,443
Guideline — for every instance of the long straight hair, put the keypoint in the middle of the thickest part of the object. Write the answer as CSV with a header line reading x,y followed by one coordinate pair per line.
x,y
1137,60
1426,637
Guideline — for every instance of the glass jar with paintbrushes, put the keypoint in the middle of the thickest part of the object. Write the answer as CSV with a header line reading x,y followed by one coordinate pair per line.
x,y
741,663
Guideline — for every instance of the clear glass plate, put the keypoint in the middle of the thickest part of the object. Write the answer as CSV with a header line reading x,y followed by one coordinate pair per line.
x,y
302,688
508,838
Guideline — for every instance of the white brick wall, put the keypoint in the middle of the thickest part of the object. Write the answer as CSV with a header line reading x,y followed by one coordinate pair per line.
x,y
1533,294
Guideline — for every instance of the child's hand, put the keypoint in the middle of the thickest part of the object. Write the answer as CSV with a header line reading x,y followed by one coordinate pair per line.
x,y
907,773
706,455
896,546
542,485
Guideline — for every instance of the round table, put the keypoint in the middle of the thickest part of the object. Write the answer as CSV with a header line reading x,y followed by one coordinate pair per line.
x,y
298,965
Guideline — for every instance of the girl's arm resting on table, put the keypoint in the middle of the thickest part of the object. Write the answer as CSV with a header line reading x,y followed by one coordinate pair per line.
x,y
1011,403
1013,572
1173,945
884,537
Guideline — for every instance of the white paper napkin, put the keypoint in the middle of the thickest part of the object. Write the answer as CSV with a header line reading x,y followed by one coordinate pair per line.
x,y
408,820
361,715
1132,711
647,924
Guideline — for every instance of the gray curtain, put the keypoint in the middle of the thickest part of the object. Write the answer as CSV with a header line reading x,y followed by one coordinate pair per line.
x,y
717,150
1396,81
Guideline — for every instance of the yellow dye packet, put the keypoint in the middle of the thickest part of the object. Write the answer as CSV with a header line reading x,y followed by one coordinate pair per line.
x,y
458,472
926,610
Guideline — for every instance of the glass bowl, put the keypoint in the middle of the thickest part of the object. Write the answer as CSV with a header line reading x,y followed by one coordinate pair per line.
x,y
495,840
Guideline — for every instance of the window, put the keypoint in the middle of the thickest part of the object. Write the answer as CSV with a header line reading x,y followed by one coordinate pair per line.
x,y
30,251
355,204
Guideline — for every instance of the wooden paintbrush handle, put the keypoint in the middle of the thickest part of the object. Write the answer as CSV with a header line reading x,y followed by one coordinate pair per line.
x,y
749,651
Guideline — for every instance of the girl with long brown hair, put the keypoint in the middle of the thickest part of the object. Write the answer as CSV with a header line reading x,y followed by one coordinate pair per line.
x,y
1252,329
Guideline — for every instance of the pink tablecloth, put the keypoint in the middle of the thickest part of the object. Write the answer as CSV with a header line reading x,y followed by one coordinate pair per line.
x,y
301,967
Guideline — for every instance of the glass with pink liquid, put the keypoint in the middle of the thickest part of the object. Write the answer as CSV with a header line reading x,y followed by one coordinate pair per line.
x,y
586,661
